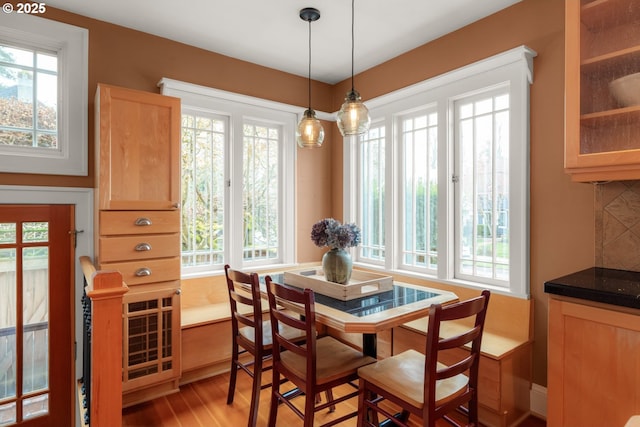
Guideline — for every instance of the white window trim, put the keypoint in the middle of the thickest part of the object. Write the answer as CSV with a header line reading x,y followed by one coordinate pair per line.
x,y
206,98
515,66
72,45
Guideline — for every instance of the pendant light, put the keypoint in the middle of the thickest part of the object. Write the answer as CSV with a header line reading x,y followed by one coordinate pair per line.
x,y
353,117
309,133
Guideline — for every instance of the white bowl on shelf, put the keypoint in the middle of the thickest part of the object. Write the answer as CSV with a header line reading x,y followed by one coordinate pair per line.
x,y
626,90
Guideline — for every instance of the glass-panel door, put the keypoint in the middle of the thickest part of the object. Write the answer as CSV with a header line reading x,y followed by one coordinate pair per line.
x,y
26,310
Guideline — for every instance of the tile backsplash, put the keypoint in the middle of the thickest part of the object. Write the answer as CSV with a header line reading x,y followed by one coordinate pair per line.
x,y
617,217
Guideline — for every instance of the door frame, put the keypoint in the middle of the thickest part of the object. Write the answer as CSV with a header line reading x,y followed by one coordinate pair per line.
x,y
82,198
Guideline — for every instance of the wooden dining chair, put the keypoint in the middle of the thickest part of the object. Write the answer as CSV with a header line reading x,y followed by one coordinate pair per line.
x,y
250,334
418,384
318,365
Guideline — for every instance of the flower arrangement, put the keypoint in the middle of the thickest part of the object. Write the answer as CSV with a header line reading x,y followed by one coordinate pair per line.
x,y
332,233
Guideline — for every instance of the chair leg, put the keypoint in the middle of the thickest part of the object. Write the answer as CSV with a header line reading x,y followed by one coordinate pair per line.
x,y
404,416
255,390
309,410
233,375
472,411
367,416
362,410
275,401
329,394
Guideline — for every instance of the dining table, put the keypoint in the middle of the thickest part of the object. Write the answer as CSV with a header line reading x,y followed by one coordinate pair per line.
x,y
371,314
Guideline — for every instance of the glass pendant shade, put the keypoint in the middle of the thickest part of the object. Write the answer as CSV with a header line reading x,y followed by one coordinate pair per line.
x,y
353,117
309,133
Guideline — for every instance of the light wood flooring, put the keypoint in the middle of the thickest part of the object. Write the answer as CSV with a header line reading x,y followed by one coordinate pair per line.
x,y
204,404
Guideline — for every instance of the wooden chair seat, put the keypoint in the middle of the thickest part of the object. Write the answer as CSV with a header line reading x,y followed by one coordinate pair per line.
x,y
334,360
403,375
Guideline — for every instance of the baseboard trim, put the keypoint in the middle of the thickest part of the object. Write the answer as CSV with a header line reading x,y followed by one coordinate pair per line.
x,y
538,400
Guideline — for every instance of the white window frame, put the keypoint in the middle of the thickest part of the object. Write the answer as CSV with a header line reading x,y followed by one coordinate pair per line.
x,y
515,67
72,46
425,109
240,108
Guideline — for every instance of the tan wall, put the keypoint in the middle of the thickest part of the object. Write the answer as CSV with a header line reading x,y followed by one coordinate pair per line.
x,y
562,212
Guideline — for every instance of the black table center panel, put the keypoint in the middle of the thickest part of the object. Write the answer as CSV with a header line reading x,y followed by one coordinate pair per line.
x,y
397,297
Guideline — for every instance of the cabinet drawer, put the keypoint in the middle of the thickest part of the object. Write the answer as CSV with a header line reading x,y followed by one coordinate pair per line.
x,y
129,248
146,271
139,222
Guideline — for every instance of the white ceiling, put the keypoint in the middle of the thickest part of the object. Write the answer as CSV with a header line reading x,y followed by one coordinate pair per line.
x,y
271,33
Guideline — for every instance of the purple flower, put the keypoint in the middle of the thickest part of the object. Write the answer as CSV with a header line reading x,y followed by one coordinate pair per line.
x,y
330,232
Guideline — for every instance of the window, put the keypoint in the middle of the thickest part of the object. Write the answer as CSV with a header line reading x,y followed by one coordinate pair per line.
x,y
450,157
43,96
419,191
372,192
260,213
482,191
204,143
237,183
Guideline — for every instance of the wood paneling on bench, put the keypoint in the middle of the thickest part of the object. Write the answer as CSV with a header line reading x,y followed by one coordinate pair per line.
x,y
206,328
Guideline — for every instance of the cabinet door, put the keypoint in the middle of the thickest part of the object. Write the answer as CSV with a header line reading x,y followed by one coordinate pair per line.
x,y
138,135
594,368
602,43
151,337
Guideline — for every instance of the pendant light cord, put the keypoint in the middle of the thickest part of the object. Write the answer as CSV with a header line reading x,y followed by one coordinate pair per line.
x,y
309,64
353,7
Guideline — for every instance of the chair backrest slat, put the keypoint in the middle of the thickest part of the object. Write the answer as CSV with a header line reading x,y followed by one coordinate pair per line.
x,y
459,340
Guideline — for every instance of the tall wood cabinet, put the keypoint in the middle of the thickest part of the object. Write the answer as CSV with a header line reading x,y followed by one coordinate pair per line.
x,y
602,43
138,230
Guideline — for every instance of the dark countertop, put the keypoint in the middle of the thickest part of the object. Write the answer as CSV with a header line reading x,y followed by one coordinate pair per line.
x,y
605,285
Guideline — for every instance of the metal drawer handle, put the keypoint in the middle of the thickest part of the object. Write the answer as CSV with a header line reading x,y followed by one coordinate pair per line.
x,y
143,221
141,272
142,247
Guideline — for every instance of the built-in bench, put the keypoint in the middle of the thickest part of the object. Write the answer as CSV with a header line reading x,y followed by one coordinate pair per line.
x,y
505,368
206,328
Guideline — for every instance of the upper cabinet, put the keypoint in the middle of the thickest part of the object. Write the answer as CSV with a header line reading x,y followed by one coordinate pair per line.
x,y
602,134
138,148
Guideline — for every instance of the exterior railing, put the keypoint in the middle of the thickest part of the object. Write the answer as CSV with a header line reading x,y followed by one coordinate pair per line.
x,y
35,343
